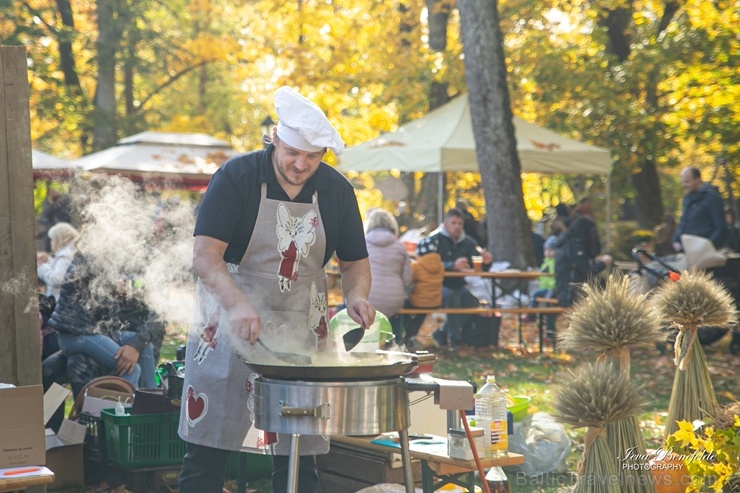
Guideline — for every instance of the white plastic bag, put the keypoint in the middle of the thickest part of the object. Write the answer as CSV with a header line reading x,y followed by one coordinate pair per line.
x,y
543,443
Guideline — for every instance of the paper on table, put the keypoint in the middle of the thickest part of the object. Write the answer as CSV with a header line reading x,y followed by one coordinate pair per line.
x,y
23,472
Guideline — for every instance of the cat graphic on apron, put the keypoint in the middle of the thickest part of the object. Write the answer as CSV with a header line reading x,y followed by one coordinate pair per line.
x,y
282,275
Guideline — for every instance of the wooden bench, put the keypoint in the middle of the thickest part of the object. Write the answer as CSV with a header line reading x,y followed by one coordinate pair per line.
x,y
490,311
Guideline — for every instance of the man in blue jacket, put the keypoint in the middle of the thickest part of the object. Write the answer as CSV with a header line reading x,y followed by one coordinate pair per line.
x,y
702,211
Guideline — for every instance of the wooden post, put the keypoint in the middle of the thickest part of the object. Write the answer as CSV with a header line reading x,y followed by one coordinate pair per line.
x,y
19,327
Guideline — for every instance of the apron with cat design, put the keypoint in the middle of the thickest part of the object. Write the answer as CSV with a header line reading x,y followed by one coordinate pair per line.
x,y
282,276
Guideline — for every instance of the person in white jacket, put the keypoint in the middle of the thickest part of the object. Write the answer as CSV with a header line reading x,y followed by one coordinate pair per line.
x,y
390,266
52,268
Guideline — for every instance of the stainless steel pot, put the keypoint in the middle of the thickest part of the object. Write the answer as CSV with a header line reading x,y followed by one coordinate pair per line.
x,y
331,408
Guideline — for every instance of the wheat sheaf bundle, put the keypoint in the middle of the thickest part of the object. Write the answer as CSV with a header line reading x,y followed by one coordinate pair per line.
x,y
611,317
610,320
693,301
595,395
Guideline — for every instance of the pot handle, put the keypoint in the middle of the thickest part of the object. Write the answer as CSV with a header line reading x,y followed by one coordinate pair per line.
x,y
321,411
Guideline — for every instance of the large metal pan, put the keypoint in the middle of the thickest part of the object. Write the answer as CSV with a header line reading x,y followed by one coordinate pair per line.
x,y
394,366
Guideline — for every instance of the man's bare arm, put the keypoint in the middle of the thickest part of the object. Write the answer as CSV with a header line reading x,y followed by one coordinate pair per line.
x,y
208,263
356,282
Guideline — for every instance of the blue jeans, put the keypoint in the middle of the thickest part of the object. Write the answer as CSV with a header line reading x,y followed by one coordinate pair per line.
x,y
103,350
540,293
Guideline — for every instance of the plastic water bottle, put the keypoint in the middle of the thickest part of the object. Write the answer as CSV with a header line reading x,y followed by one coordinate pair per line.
x,y
490,413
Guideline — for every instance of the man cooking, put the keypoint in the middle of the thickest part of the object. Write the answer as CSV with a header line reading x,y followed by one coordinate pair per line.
x,y
268,224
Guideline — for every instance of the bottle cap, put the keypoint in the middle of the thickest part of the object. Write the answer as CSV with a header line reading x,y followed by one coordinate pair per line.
x,y
491,378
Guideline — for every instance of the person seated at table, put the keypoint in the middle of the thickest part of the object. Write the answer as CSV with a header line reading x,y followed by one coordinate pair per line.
x,y
546,283
390,266
427,274
456,250
52,268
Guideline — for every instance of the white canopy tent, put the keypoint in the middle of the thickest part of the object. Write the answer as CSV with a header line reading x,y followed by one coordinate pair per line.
x,y
443,141
188,159
48,166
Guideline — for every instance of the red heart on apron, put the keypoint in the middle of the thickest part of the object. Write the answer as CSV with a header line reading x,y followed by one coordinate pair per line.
x,y
197,406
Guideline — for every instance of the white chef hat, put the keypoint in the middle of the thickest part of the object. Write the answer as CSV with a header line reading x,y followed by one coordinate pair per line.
x,y
303,125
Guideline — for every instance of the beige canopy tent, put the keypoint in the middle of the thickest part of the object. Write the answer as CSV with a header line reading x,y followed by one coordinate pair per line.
x,y
183,159
443,141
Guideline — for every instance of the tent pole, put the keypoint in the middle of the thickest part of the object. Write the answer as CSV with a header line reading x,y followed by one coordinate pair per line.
x,y
440,197
608,213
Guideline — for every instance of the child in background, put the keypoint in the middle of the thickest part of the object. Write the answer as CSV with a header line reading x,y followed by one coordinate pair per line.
x,y
546,283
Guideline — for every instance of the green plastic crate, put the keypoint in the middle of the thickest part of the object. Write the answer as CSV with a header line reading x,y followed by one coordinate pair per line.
x,y
143,440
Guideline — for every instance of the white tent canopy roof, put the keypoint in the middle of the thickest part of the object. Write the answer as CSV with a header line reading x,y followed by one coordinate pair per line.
x,y
44,161
443,141
190,157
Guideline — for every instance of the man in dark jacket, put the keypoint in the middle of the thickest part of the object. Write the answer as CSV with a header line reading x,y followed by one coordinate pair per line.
x,y
702,211
456,250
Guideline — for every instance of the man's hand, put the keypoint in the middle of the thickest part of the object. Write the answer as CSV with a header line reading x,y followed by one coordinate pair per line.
x,y
361,311
126,359
356,279
461,263
245,321
487,257
677,246
208,263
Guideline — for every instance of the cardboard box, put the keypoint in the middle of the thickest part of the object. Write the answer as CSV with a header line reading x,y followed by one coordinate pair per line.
x,y
21,426
64,454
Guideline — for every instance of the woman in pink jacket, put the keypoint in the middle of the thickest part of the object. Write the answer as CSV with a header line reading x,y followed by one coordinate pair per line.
x,y
390,266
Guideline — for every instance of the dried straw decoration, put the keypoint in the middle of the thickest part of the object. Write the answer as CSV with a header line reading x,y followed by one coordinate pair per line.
x,y
595,395
611,319
693,301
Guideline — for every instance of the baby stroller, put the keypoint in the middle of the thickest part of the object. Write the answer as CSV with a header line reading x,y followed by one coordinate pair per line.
x,y
652,270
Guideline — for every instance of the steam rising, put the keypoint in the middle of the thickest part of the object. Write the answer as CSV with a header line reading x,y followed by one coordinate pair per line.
x,y
137,242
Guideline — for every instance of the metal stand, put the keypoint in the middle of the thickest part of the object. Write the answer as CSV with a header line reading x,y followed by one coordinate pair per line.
x,y
295,442
408,474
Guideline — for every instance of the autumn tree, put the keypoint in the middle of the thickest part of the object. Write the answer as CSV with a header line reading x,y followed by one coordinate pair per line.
x,y
493,127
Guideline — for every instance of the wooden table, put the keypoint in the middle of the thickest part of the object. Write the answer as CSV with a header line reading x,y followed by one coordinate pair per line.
x,y
497,279
436,465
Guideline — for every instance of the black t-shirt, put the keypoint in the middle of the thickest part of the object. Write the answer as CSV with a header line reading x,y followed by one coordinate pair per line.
x,y
228,211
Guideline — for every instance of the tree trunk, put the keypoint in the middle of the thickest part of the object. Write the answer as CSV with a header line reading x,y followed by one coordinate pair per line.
x,y
66,54
429,193
647,202
509,235
104,113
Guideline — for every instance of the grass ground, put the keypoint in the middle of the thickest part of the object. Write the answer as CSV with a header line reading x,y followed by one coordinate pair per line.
x,y
524,371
